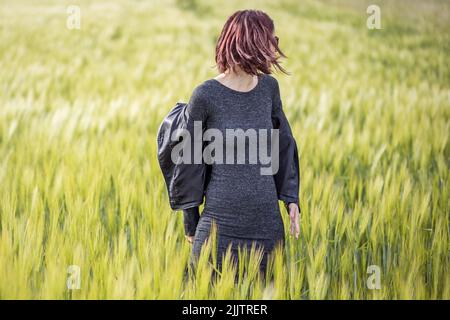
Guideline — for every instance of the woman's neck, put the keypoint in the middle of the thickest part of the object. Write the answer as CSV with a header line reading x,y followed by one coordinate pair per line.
x,y
238,79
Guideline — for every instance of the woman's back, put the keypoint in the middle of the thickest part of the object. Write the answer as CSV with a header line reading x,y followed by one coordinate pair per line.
x,y
239,197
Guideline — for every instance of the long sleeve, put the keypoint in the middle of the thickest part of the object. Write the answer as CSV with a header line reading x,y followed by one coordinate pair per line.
x,y
180,150
287,178
190,220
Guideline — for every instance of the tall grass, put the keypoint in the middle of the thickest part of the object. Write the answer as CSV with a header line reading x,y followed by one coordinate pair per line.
x,y
79,178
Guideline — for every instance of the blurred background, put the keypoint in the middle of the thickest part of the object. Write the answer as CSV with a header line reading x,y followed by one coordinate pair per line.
x,y
84,86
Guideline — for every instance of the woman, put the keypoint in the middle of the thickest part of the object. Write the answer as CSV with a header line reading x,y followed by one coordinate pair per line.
x,y
241,201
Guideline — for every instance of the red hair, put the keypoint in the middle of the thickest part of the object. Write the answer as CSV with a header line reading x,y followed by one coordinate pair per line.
x,y
245,41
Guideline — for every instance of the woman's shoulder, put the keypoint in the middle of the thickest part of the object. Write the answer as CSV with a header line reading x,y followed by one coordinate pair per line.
x,y
203,90
201,96
271,85
271,80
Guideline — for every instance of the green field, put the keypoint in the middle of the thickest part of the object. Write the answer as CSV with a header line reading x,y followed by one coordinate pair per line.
x,y
80,182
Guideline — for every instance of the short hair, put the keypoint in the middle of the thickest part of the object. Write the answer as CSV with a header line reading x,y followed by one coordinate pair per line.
x,y
245,41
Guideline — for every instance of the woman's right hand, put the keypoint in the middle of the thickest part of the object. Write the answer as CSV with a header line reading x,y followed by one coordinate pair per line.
x,y
294,214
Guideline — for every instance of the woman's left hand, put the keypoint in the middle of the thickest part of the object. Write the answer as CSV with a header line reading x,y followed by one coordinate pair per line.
x,y
189,239
294,214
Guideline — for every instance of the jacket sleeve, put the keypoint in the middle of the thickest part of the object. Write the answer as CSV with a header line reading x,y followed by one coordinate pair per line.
x,y
180,150
287,179
190,220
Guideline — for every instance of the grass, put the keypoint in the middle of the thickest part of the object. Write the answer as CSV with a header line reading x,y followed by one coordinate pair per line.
x,y
80,183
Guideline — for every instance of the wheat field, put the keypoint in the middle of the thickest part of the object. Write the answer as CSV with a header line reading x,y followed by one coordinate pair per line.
x,y
80,183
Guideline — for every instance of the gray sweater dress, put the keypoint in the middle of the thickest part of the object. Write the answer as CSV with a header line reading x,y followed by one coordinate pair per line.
x,y
242,202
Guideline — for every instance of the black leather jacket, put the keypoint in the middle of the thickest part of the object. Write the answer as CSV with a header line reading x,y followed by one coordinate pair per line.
x,y
186,183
